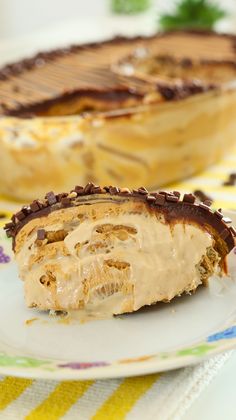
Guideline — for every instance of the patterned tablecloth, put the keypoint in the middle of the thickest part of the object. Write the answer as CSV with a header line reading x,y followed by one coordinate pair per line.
x,y
158,396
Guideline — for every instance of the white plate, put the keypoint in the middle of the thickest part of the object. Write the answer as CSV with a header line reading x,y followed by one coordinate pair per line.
x,y
162,337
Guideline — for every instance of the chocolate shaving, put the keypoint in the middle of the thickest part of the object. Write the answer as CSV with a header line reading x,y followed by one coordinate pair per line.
x,y
189,198
151,198
65,201
50,196
88,187
35,206
20,215
96,189
9,225
115,190
231,181
143,190
202,196
41,234
79,190
172,198
177,194
219,214
60,196
160,199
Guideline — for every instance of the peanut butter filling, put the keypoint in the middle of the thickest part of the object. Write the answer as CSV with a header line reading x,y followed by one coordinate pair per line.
x,y
111,256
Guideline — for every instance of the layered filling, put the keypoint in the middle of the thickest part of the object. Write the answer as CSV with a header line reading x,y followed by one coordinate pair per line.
x,y
111,257
85,103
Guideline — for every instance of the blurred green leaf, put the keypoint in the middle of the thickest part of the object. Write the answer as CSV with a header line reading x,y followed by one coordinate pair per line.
x,y
129,6
199,14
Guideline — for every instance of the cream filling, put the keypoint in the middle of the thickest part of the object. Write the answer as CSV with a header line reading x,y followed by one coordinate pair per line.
x,y
162,260
157,262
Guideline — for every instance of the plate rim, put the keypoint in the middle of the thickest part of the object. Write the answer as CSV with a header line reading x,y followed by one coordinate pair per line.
x,y
116,370
53,369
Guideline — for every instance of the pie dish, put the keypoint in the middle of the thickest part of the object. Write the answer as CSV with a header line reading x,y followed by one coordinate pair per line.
x,y
114,250
140,111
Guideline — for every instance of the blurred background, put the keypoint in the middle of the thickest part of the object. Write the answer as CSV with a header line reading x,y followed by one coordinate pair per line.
x,y
23,17
27,26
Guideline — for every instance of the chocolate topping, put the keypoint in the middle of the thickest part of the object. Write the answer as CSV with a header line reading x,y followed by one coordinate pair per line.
x,y
35,206
20,215
203,206
88,188
172,198
142,190
231,181
86,73
169,203
189,198
115,190
219,214
65,201
51,198
160,199
79,190
177,193
202,196
224,234
41,234
151,198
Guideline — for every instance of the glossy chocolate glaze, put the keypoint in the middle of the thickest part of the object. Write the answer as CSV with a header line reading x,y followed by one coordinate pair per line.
x,y
169,204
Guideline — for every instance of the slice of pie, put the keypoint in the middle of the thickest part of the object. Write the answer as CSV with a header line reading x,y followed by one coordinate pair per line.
x,y
115,247
141,111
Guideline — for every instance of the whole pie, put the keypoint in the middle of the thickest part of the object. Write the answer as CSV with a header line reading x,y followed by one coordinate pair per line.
x,y
129,111
116,249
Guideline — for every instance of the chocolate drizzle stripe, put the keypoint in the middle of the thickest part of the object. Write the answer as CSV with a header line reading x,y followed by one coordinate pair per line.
x,y
31,86
118,95
18,67
170,204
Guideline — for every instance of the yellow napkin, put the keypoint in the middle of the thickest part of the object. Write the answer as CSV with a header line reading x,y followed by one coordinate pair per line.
x,y
165,396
